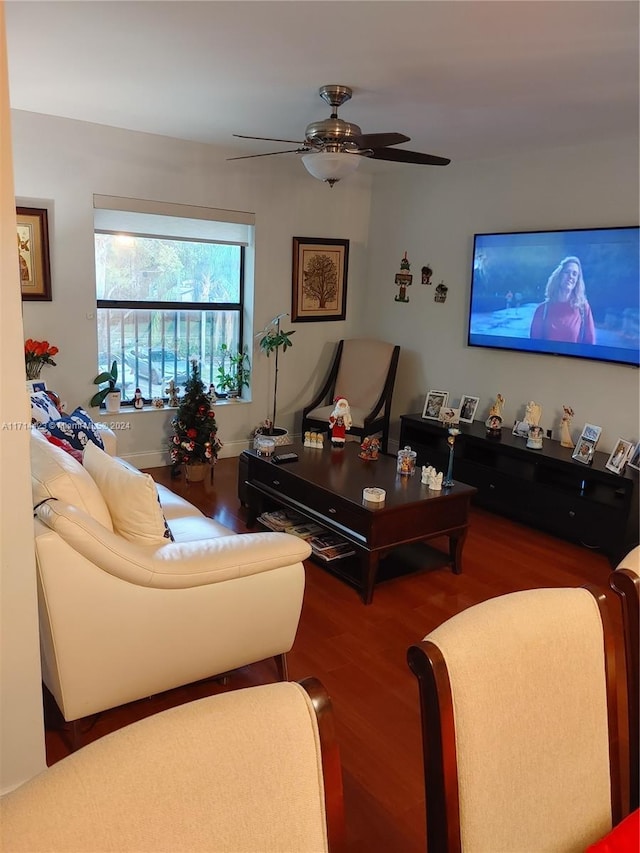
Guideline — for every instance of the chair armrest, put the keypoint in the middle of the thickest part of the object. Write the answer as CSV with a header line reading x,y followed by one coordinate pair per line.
x,y
176,565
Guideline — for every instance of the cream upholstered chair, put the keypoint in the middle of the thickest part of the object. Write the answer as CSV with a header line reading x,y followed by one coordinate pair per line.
x,y
519,724
364,372
625,581
250,770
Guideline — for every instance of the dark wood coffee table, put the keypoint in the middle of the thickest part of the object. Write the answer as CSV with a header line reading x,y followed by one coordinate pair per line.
x,y
326,486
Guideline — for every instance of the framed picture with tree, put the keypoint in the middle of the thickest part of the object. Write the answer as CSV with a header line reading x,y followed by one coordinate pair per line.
x,y
320,267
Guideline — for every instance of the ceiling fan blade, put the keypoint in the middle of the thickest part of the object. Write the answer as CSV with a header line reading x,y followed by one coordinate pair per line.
x,y
401,155
270,154
268,139
381,140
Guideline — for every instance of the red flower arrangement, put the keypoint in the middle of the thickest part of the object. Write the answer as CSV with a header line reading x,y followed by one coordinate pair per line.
x,y
36,355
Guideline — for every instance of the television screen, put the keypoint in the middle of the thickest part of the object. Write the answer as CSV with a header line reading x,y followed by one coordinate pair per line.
x,y
572,293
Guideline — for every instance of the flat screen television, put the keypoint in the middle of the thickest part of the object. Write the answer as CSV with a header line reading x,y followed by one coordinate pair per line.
x,y
572,292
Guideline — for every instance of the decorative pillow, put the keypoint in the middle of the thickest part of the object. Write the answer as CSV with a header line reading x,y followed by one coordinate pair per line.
x,y
43,409
77,428
64,445
131,496
55,474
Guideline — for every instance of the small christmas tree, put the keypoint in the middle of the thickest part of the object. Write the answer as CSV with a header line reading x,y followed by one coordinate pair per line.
x,y
195,429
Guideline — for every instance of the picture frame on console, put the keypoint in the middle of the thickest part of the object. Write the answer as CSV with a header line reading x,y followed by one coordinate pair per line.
x,y
449,416
622,450
591,432
468,408
319,286
584,450
434,401
634,459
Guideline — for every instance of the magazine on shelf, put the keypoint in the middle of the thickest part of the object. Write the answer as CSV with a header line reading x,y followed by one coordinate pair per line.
x,y
325,540
337,552
305,531
281,520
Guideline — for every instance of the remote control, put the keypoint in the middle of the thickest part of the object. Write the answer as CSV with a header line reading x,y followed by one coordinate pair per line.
x,y
281,458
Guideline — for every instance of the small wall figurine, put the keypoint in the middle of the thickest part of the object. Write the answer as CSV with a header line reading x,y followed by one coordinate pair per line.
x,y
565,427
173,392
340,422
440,294
138,402
403,280
427,272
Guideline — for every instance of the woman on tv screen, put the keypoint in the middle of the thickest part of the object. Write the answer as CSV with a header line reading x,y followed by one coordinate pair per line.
x,y
565,315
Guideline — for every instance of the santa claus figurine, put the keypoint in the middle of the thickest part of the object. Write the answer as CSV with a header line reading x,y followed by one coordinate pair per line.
x,y
339,422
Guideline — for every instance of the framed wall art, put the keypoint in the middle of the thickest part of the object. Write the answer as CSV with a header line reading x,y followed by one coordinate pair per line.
x,y
468,407
434,402
33,252
320,267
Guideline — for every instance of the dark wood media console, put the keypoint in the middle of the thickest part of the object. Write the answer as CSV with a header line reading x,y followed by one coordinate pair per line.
x,y
543,488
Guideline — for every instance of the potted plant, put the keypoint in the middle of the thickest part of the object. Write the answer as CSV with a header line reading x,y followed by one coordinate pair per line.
x,y
234,371
195,443
110,395
272,338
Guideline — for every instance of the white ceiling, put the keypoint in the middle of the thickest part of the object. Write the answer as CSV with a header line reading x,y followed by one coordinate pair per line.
x,y
462,78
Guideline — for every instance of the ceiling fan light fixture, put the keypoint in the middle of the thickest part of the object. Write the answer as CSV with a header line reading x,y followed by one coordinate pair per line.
x,y
330,166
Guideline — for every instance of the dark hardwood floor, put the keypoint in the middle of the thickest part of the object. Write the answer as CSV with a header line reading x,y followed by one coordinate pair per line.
x,y
359,653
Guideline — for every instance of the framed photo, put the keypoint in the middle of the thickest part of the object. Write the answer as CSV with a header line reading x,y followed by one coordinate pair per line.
x,y
591,433
468,406
619,455
34,385
634,459
434,402
449,416
584,450
320,267
33,253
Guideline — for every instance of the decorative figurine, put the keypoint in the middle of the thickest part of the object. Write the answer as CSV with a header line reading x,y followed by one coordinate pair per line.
x,y
565,427
340,422
532,415
138,402
369,449
436,483
173,393
494,421
403,279
425,477
427,272
307,439
534,441
158,403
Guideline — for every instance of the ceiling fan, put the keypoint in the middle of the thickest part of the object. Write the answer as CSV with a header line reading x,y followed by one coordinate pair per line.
x,y
332,148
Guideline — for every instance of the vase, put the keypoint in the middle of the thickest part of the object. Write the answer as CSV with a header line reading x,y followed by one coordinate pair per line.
x,y
112,402
33,369
195,471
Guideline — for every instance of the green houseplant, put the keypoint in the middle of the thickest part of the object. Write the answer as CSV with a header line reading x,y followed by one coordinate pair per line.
x,y
234,371
110,395
272,339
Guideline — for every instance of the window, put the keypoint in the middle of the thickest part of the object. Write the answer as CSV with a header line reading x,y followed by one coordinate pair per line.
x,y
169,289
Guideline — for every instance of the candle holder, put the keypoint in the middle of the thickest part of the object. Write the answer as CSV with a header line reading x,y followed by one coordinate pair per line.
x,y
453,432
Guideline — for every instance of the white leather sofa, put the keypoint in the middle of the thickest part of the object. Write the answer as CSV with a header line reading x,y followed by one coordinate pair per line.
x,y
124,618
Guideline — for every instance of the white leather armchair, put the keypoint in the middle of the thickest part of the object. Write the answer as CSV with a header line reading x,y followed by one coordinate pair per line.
x,y
121,620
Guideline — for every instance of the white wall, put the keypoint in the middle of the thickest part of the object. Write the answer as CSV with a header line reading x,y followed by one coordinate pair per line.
x,y
21,724
61,163
433,215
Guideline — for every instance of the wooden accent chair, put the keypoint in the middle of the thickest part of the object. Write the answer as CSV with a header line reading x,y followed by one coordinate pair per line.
x,y
252,769
625,581
519,724
363,371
